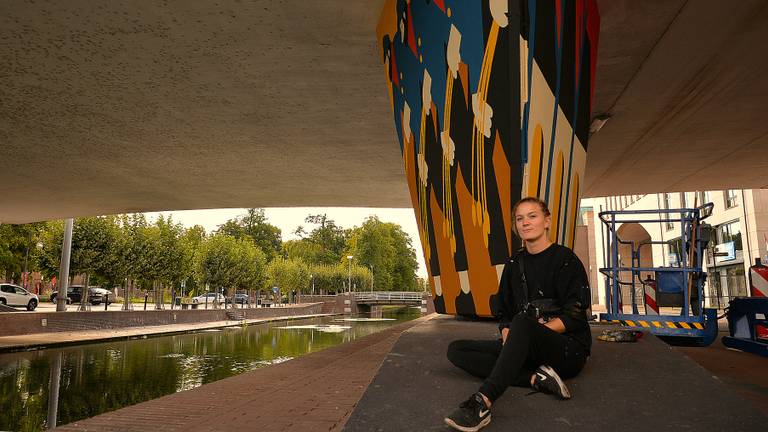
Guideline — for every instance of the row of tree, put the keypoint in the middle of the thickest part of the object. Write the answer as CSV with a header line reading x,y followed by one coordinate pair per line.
x,y
245,253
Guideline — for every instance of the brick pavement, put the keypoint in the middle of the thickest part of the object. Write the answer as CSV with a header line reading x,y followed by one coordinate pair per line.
x,y
312,393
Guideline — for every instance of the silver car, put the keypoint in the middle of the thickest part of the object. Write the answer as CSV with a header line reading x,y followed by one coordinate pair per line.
x,y
209,298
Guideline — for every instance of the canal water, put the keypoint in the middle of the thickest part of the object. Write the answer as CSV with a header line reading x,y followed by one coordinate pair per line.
x,y
97,378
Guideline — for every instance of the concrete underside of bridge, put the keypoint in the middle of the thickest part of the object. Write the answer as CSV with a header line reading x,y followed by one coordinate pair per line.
x,y
178,105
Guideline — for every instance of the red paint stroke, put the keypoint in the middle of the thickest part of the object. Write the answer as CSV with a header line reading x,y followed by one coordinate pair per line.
x,y
593,33
559,10
411,33
393,68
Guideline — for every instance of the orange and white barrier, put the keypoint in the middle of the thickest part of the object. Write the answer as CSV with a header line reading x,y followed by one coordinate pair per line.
x,y
758,287
649,295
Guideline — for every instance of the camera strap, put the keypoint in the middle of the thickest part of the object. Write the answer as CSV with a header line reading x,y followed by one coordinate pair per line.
x,y
523,281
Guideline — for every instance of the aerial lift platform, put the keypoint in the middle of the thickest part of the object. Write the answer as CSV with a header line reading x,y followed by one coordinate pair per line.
x,y
679,285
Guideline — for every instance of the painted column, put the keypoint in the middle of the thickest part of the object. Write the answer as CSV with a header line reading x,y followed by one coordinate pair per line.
x,y
491,101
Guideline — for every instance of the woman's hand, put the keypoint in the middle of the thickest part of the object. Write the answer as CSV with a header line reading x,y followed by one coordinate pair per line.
x,y
504,333
555,324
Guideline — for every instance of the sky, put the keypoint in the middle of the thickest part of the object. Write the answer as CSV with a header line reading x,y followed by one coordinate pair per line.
x,y
288,219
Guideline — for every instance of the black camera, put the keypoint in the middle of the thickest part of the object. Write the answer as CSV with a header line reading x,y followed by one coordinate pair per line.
x,y
531,311
542,309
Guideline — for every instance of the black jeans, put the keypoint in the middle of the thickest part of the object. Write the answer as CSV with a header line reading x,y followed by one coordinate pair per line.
x,y
529,345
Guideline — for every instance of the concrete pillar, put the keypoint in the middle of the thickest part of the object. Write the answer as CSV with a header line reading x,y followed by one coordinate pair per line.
x,y
480,126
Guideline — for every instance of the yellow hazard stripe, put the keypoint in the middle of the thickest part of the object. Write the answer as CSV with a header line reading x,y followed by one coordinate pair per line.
x,y
659,324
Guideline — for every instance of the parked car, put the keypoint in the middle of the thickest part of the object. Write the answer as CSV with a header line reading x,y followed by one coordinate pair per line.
x,y
14,295
211,297
240,299
96,295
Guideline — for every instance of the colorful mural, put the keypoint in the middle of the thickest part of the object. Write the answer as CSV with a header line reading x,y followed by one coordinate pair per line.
x,y
491,102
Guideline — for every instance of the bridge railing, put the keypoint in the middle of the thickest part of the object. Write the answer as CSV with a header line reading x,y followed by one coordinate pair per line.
x,y
388,296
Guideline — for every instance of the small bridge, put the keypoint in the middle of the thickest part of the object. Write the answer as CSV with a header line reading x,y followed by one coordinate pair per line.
x,y
389,298
371,302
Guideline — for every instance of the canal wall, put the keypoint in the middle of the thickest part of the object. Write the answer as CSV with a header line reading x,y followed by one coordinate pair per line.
x,y
22,323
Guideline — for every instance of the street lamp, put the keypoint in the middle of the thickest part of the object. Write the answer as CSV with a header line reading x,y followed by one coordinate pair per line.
x,y
372,278
312,277
349,279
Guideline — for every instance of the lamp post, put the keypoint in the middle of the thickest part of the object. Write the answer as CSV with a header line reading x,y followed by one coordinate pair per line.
x,y
372,278
349,279
312,277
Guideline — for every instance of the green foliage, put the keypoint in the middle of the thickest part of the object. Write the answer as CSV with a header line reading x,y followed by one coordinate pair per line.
x,y
387,250
288,274
48,258
113,248
254,225
227,262
325,244
92,240
18,248
334,278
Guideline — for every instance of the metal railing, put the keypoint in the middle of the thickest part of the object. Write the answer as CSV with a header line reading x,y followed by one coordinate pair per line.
x,y
388,296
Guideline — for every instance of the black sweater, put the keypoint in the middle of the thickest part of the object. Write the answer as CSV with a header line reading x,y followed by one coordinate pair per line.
x,y
554,273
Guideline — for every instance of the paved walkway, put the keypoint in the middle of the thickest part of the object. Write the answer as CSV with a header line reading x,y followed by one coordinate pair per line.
x,y
632,387
316,392
55,339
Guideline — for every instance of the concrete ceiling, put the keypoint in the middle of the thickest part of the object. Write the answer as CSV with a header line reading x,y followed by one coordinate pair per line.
x,y
685,85
140,106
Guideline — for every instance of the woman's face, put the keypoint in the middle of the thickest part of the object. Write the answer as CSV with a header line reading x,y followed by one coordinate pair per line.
x,y
530,222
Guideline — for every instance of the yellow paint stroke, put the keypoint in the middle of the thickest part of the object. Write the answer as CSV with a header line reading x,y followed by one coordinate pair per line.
x,y
479,191
422,186
448,224
574,209
534,161
387,25
556,198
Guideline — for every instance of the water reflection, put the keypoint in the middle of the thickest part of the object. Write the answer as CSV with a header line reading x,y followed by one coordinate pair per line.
x,y
93,379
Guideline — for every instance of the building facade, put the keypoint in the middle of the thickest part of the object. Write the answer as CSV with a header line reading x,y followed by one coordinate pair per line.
x,y
739,222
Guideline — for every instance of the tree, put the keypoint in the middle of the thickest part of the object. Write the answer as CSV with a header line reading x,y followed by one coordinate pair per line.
x,y
48,258
226,262
254,225
92,242
301,249
288,275
192,239
17,249
325,244
388,251
127,259
334,278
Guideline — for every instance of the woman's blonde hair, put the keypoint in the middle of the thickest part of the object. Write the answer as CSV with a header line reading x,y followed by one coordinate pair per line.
x,y
534,200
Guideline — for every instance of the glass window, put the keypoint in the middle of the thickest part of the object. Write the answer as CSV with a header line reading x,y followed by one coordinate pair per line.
x,y
705,197
730,232
7,289
730,198
675,252
736,281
